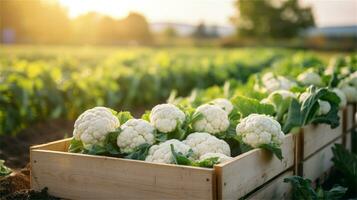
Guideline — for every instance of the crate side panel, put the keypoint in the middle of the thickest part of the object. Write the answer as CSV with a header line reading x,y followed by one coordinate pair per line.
x,y
252,169
317,136
315,166
84,177
59,145
276,189
350,116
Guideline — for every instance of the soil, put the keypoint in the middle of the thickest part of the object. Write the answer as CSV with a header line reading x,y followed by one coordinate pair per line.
x,y
15,150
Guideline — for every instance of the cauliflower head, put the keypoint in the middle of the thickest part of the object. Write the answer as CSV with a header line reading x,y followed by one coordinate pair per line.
x,y
92,126
133,133
325,107
222,158
350,93
162,153
310,78
214,119
272,83
202,143
166,117
342,96
258,129
225,104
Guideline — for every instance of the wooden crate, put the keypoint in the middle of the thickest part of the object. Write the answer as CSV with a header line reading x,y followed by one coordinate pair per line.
x,y
275,189
317,165
350,115
250,170
77,176
314,137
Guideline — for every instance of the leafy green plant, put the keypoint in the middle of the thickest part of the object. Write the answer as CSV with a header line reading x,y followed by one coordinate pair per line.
x,y
4,171
302,189
346,163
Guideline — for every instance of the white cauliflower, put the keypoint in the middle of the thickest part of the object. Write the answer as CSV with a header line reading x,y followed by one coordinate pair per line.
x,y
166,117
221,157
225,104
350,92
284,94
325,107
214,119
202,143
133,133
162,153
310,78
92,126
258,129
342,96
272,83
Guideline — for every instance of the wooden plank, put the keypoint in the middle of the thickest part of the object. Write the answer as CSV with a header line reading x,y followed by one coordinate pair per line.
x,y
59,145
276,189
350,116
315,166
77,176
349,141
317,136
250,170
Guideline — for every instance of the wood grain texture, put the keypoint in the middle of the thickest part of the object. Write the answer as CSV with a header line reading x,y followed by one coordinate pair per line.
x,y
276,189
350,115
315,166
77,176
317,136
250,170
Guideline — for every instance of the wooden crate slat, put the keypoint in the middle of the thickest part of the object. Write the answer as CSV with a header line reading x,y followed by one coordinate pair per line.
x,y
350,115
276,189
250,170
75,176
315,166
317,136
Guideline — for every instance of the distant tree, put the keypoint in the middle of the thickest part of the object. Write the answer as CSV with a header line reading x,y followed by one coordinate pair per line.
x,y
214,32
200,31
266,18
170,32
135,27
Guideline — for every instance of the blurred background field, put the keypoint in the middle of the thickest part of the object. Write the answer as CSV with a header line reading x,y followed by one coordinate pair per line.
x,y
59,58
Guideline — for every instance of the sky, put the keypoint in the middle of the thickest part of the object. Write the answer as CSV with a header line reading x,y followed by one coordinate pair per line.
x,y
218,12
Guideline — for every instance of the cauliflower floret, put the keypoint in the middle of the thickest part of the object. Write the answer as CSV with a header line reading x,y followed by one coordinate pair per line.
x,y
92,126
202,143
350,92
325,107
225,104
221,157
342,96
166,117
162,153
133,133
284,94
272,83
310,78
257,129
214,119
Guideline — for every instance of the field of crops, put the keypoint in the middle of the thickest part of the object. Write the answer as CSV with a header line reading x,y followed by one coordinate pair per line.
x,y
289,106
40,83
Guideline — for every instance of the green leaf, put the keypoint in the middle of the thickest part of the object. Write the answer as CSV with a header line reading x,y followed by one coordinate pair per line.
x,y
76,146
302,188
160,137
294,118
124,116
139,152
208,163
4,171
146,116
246,106
95,150
179,158
346,163
110,142
275,149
